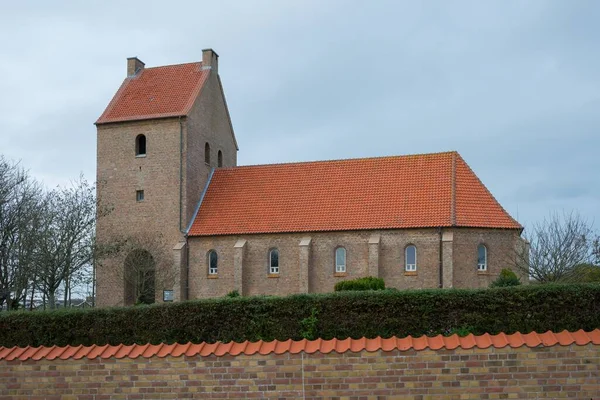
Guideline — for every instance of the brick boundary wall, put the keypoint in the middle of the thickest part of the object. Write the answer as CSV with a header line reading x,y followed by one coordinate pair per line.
x,y
532,366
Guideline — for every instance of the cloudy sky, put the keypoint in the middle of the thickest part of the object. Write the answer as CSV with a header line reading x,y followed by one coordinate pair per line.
x,y
514,86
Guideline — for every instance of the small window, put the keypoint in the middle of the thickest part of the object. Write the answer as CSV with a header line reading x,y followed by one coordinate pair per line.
x,y
274,261
139,195
212,262
410,257
340,260
220,159
207,153
481,258
140,145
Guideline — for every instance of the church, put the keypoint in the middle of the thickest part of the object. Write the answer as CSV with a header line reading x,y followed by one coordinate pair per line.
x,y
179,219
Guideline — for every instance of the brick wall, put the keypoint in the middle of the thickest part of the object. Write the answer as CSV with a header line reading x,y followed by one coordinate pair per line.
x,y
207,122
571,371
460,258
120,173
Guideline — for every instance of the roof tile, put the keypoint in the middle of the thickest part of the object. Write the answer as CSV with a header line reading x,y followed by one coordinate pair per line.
x,y
158,92
96,351
194,349
371,193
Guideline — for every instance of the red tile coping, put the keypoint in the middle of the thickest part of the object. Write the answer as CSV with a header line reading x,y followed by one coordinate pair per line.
x,y
484,341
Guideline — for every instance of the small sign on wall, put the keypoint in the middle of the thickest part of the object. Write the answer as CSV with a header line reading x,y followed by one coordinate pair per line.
x,y
167,295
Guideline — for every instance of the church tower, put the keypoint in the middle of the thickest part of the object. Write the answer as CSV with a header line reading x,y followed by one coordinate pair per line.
x,y
158,141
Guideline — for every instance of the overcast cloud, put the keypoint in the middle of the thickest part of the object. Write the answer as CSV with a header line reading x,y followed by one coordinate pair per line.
x,y
514,86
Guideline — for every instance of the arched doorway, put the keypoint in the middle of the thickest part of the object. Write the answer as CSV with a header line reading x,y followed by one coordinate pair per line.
x,y
140,276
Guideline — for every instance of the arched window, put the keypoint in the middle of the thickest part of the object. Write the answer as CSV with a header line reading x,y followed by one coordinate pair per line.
x,y
207,153
410,258
140,145
220,159
481,258
273,261
212,263
340,260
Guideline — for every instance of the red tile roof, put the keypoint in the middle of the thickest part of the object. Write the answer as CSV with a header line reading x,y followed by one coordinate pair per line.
x,y
415,191
158,92
533,339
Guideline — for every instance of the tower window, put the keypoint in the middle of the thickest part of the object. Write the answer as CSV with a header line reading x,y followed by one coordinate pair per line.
x,y
139,195
220,159
140,145
207,153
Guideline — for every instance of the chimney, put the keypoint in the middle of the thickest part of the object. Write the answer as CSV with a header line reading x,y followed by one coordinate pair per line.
x,y
210,60
134,65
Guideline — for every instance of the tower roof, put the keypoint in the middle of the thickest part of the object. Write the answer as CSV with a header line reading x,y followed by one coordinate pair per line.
x,y
414,191
158,92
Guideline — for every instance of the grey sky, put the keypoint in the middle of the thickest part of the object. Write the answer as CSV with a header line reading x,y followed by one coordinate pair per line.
x,y
514,86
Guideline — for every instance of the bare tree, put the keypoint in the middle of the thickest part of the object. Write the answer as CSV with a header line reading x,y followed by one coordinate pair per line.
x,y
556,246
596,251
66,245
145,263
20,222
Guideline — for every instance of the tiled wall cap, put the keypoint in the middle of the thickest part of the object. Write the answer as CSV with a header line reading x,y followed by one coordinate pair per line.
x,y
219,349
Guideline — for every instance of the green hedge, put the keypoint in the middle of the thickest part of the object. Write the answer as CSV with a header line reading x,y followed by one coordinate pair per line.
x,y
341,315
367,283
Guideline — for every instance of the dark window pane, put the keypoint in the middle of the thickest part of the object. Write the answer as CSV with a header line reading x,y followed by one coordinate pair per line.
x,y
340,256
140,145
481,255
213,259
411,255
274,258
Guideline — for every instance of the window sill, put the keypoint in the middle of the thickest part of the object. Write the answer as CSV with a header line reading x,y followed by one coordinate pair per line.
x,y
213,276
140,156
273,276
486,272
340,274
410,273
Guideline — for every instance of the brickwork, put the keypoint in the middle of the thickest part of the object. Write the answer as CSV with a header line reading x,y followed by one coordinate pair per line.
x,y
500,244
462,262
494,373
207,122
172,175
119,174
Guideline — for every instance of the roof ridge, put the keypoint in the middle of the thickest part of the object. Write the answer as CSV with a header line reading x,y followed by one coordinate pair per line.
x,y
172,65
514,340
394,157
453,194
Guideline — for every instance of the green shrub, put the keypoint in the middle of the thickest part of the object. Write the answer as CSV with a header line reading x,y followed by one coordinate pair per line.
x,y
383,313
586,273
233,293
367,283
309,325
506,278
